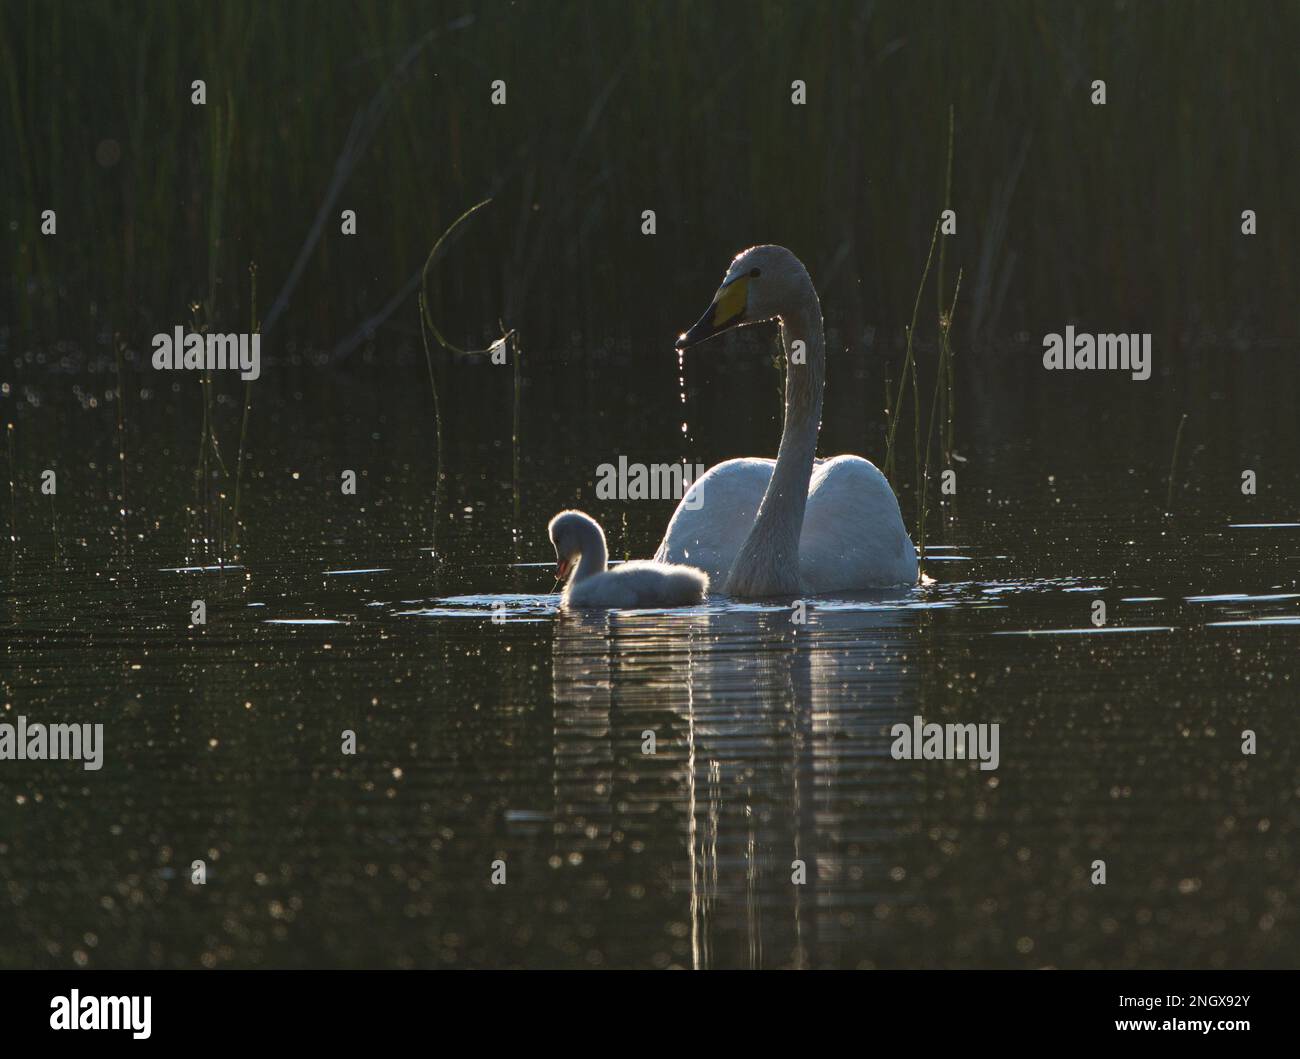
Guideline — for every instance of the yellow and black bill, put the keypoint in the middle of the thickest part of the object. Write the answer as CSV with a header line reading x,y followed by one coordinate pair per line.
x,y
727,311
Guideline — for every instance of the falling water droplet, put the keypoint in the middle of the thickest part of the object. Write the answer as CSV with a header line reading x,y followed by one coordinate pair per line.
x,y
681,385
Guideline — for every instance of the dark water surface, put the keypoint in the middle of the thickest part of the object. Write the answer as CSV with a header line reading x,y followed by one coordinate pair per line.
x,y
520,740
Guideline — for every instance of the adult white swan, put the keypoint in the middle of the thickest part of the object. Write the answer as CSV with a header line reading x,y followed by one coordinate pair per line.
x,y
799,525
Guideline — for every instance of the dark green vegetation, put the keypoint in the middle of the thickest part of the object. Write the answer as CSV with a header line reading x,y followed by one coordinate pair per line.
x,y
1128,213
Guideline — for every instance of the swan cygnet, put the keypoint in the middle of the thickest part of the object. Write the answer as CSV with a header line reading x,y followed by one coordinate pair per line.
x,y
798,524
581,559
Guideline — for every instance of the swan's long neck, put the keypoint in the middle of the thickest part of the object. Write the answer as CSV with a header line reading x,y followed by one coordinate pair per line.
x,y
768,562
593,557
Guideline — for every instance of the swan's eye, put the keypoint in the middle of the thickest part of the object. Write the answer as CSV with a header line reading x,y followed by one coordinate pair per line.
x,y
754,273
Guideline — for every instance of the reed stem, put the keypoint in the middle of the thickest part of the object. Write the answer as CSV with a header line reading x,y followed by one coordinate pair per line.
x,y
243,426
437,420
427,326
121,429
950,389
13,494
1173,464
907,359
945,357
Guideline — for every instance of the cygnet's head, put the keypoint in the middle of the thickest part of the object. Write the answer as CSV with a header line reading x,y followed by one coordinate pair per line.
x,y
762,283
573,534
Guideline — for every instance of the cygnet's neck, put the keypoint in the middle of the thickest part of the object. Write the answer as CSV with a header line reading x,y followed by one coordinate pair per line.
x,y
592,554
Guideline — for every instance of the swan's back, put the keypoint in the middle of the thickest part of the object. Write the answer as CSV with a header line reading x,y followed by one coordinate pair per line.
x,y
715,516
853,535
640,584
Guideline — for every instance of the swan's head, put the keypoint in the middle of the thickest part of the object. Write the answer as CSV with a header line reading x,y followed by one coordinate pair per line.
x,y
762,283
574,533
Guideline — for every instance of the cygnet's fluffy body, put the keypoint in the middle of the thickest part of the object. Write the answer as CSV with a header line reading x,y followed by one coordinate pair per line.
x,y
582,558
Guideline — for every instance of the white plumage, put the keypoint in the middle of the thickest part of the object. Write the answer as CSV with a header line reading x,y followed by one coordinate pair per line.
x,y
581,556
852,535
641,583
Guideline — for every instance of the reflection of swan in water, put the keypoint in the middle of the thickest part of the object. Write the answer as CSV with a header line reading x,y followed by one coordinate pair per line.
x,y
798,525
754,723
582,752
